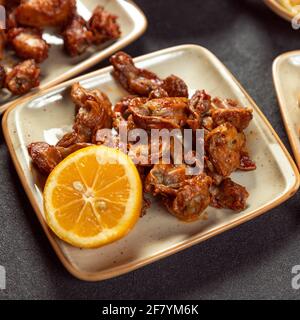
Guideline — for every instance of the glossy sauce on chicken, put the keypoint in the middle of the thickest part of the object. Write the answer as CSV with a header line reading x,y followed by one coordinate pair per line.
x,y
162,104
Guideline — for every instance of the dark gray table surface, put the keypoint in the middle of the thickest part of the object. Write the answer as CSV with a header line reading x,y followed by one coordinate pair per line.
x,y
253,261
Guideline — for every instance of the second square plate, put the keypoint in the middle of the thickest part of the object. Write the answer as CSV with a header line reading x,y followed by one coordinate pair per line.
x,y
60,67
286,75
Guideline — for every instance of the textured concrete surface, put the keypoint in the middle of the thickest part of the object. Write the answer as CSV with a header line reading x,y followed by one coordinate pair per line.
x,y
253,261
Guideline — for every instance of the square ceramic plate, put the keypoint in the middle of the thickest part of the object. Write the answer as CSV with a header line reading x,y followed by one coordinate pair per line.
x,y
286,75
60,67
275,6
158,234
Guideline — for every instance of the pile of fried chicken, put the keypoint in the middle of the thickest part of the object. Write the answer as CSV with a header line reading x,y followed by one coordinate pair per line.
x,y
25,22
156,103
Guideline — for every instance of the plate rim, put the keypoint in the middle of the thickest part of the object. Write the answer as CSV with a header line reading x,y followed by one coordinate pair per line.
x,y
89,62
276,80
131,266
279,10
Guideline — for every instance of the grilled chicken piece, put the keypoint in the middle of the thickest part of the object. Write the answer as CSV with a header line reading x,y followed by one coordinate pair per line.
x,y
165,179
77,37
121,114
175,87
225,145
46,157
122,107
230,195
71,138
94,113
164,113
141,81
104,26
199,105
44,13
134,80
28,43
238,117
185,196
192,199
23,77
228,110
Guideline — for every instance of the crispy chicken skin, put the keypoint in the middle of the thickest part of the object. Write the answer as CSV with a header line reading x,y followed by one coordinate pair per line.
x,y
81,96
228,110
77,37
123,105
165,179
168,113
46,157
224,146
185,197
192,199
23,77
230,195
43,13
121,112
175,87
104,26
134,80
71,138
28,43
239,117
199,105
94,113
141,81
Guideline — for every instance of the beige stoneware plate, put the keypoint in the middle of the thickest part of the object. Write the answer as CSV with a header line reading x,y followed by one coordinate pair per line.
x,y
60,67
275,6
158,234
286,75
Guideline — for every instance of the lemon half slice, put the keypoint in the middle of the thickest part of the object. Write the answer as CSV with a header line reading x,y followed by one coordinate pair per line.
x,y
93,197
